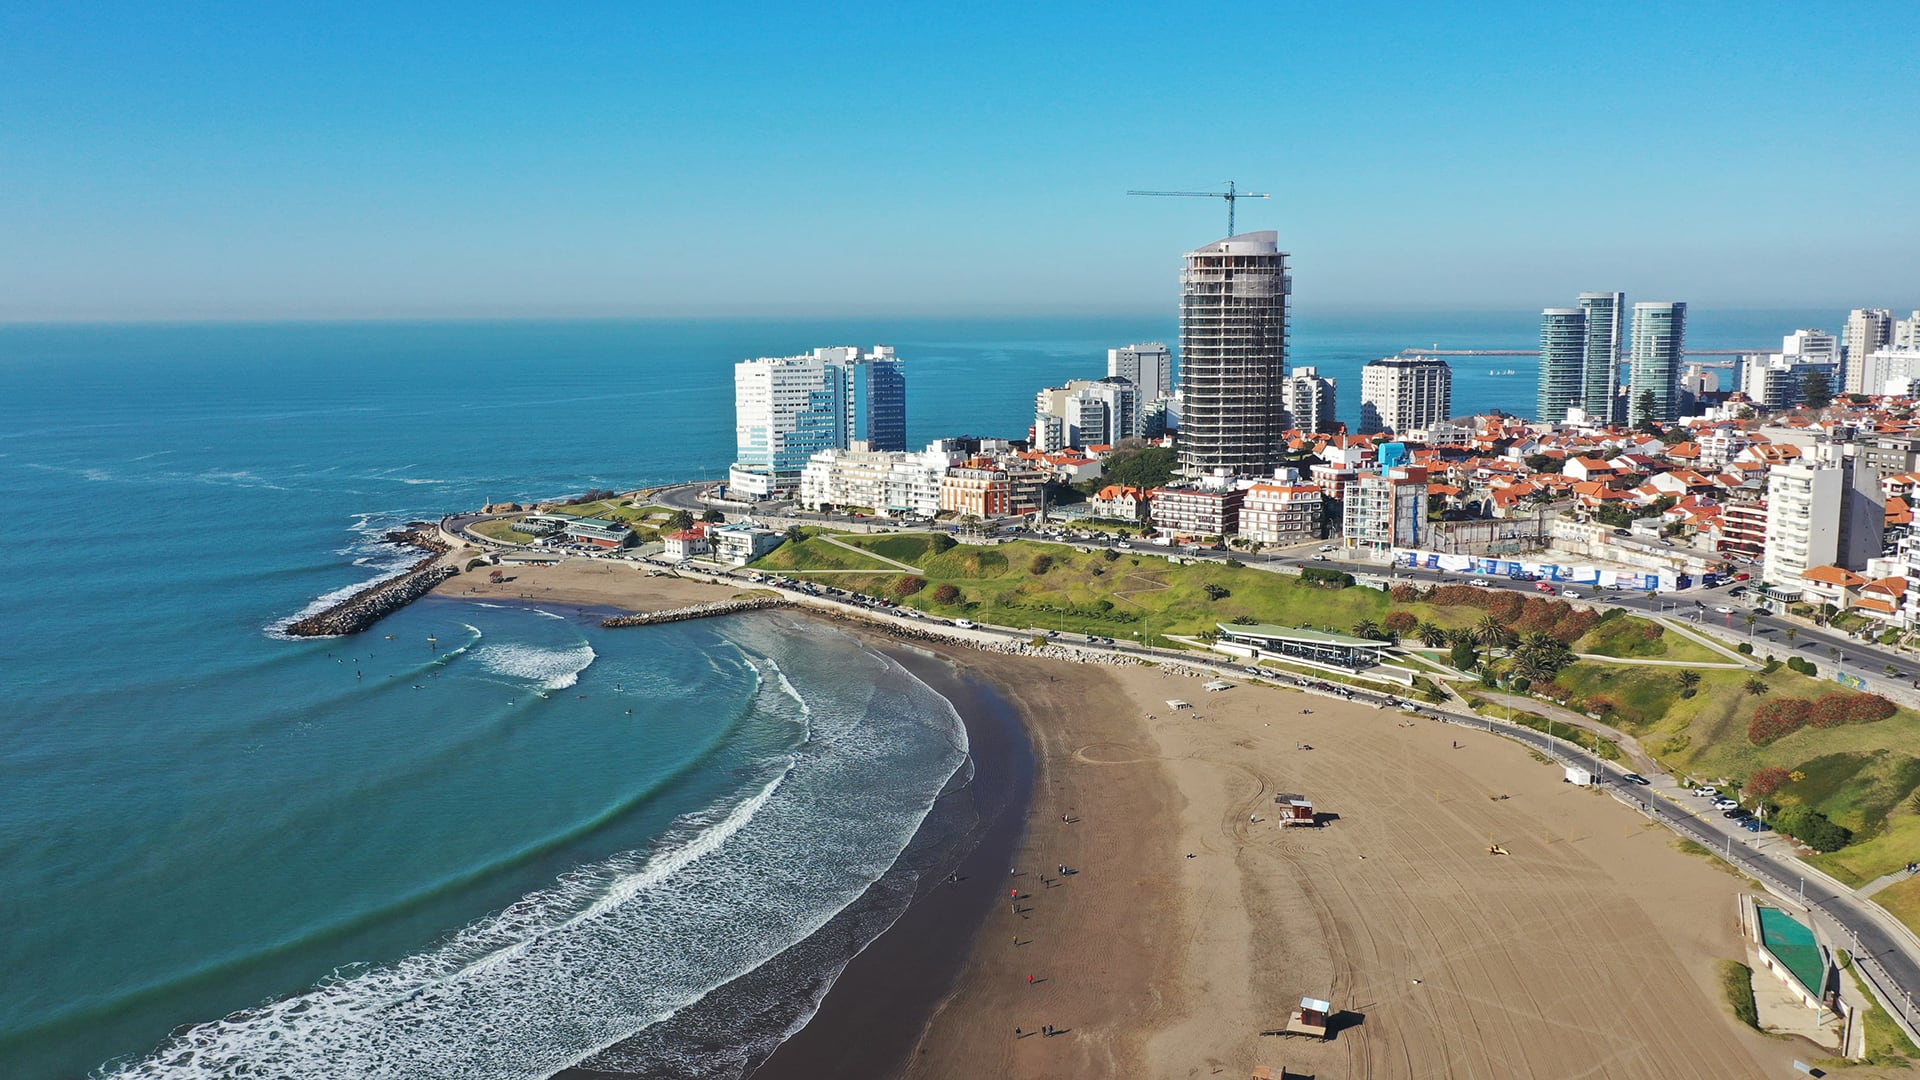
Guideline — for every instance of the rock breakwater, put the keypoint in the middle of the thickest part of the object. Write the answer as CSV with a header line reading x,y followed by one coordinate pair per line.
x,y
697,611
371,604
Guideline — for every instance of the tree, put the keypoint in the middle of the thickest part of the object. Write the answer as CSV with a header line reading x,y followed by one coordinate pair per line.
x,y
1816,389
1040,565
1643,418
680,519
1432,635
1490,631
1542,463
946,594
1216,592
1689,678
1755,686
908,584
1147,467
712,516
1751,619
1792,632
1367,628
1464,657
1764,782
795,534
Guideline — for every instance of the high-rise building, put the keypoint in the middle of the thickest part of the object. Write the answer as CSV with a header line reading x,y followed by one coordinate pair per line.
x,y
788,408
1085,412
1563,363
1605,314
1812,347
1659,344
1148,366
1867,331
1310,401
1821,513
1906,332
1404,393
1233,355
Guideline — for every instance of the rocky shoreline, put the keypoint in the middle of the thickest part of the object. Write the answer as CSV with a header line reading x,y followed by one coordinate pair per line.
x,y
368,606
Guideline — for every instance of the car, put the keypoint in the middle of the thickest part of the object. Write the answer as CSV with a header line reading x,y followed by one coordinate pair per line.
x,y
1621,532
1326,547
1736,812
1571,595
1754,825
1320,558
964,624
1636,778
1705,791
1724,803
1743,577
1543,586
1723,610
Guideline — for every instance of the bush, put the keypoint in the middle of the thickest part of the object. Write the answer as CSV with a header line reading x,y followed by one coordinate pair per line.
x,y
475,564
946,594
1847,708
1465,657
1804,667
1040,565
1812,828
1765,782
1217,592
1745,647
1777,719
1520,684
1399,622
1403,593
908,584
1326,579
1110,555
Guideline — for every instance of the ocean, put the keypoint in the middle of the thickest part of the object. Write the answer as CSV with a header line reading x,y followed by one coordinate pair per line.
x,y
479,840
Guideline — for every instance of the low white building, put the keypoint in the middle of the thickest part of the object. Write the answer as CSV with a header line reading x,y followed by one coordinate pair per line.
x,y
743,542
890,484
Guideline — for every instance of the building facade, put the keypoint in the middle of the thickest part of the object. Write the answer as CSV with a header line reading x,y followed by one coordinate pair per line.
x,y
1605,317
1233,355
1149,367
1404,393
1085,412
789,408
977,489
1659,346
1563,363
1867,331
1284,511
1197,510
1311,400
1385,509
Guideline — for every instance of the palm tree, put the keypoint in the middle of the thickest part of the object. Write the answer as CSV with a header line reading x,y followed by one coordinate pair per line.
x,y
1689,679
1490,631
1792,632
1367,628
1751,619
1756,686
1432,635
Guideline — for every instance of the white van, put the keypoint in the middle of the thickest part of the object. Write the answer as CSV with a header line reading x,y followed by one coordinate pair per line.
x,y
964,624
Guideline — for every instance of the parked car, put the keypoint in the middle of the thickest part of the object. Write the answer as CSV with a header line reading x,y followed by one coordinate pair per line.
x,y
1724,803
1706,791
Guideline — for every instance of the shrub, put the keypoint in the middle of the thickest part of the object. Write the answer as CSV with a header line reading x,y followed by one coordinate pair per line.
x,y
1812,828
1326,579
1520,684
1110,555
1465,657
946,594
1765,782
908,584
1777,719
1602,706
475,564
1553,691
1399,622
1040,565
1403,593
1745,647
1867,708
1217,592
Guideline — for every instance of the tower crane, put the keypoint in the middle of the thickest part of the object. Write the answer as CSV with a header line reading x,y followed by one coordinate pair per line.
x,y
1230,195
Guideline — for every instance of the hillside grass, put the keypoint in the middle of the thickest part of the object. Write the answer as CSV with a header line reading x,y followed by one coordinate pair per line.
x,y
502,530
1629,639
814,553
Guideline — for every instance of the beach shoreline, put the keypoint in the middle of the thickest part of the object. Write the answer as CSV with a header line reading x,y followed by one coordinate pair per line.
x,y
1190,923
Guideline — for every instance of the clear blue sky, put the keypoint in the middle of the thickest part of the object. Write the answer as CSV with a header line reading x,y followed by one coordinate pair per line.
x,y
279,160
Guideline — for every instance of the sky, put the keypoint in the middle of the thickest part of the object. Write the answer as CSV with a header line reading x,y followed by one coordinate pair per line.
x,y
264,161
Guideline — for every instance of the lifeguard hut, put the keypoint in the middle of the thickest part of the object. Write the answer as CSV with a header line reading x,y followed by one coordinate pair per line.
x,y
1311,1018
1294,810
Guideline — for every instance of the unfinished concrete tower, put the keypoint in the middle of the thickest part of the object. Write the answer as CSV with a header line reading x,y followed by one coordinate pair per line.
x,y
1233,355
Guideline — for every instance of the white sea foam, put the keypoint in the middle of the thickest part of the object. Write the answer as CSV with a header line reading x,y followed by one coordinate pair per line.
x,y
549,668
614,948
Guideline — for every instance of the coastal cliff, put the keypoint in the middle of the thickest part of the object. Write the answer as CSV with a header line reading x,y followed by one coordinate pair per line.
x,y
371,604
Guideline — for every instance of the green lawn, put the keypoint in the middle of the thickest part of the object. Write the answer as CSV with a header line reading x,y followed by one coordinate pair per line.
x,y
1640,639
816,554
909,548
618,510
1903,899
502,530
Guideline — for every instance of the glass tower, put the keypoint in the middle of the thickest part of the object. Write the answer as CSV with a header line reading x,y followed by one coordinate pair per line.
x,y
1606,325
1563,363
1659,344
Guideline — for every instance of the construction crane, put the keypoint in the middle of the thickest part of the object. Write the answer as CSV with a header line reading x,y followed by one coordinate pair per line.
x,y
1230,195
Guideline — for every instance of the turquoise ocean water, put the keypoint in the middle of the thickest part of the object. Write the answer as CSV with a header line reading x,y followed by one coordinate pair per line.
x,y
497,854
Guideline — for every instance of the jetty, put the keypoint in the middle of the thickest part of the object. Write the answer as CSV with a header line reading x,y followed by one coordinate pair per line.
x,y
368,606
697,611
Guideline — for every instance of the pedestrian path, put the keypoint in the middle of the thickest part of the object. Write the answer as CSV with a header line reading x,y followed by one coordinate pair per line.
x,y
1882,882
874,555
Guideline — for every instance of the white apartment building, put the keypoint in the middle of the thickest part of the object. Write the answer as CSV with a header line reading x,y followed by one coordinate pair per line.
x,y
788,408
1149,367
1404,393
1310,400
888,483
1085,412
1812,346
1778,380
1385,509
1867,330
1285,510
1889,371
1821,512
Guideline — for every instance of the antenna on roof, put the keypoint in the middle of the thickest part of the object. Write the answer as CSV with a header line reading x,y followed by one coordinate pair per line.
x,y
1232,193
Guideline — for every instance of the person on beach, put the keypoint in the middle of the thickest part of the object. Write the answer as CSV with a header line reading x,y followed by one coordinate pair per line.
x,y
1029,980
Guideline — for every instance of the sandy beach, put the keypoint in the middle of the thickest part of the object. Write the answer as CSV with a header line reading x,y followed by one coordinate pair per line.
x,y
1190,922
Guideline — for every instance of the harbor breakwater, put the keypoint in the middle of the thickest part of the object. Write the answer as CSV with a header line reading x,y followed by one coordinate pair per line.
x,y
697,611
371,604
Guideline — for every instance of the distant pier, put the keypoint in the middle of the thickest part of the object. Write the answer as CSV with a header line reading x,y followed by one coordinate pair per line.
x,y
698,611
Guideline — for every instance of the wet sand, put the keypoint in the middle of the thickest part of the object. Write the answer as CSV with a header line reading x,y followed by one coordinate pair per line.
x,y
1589,950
